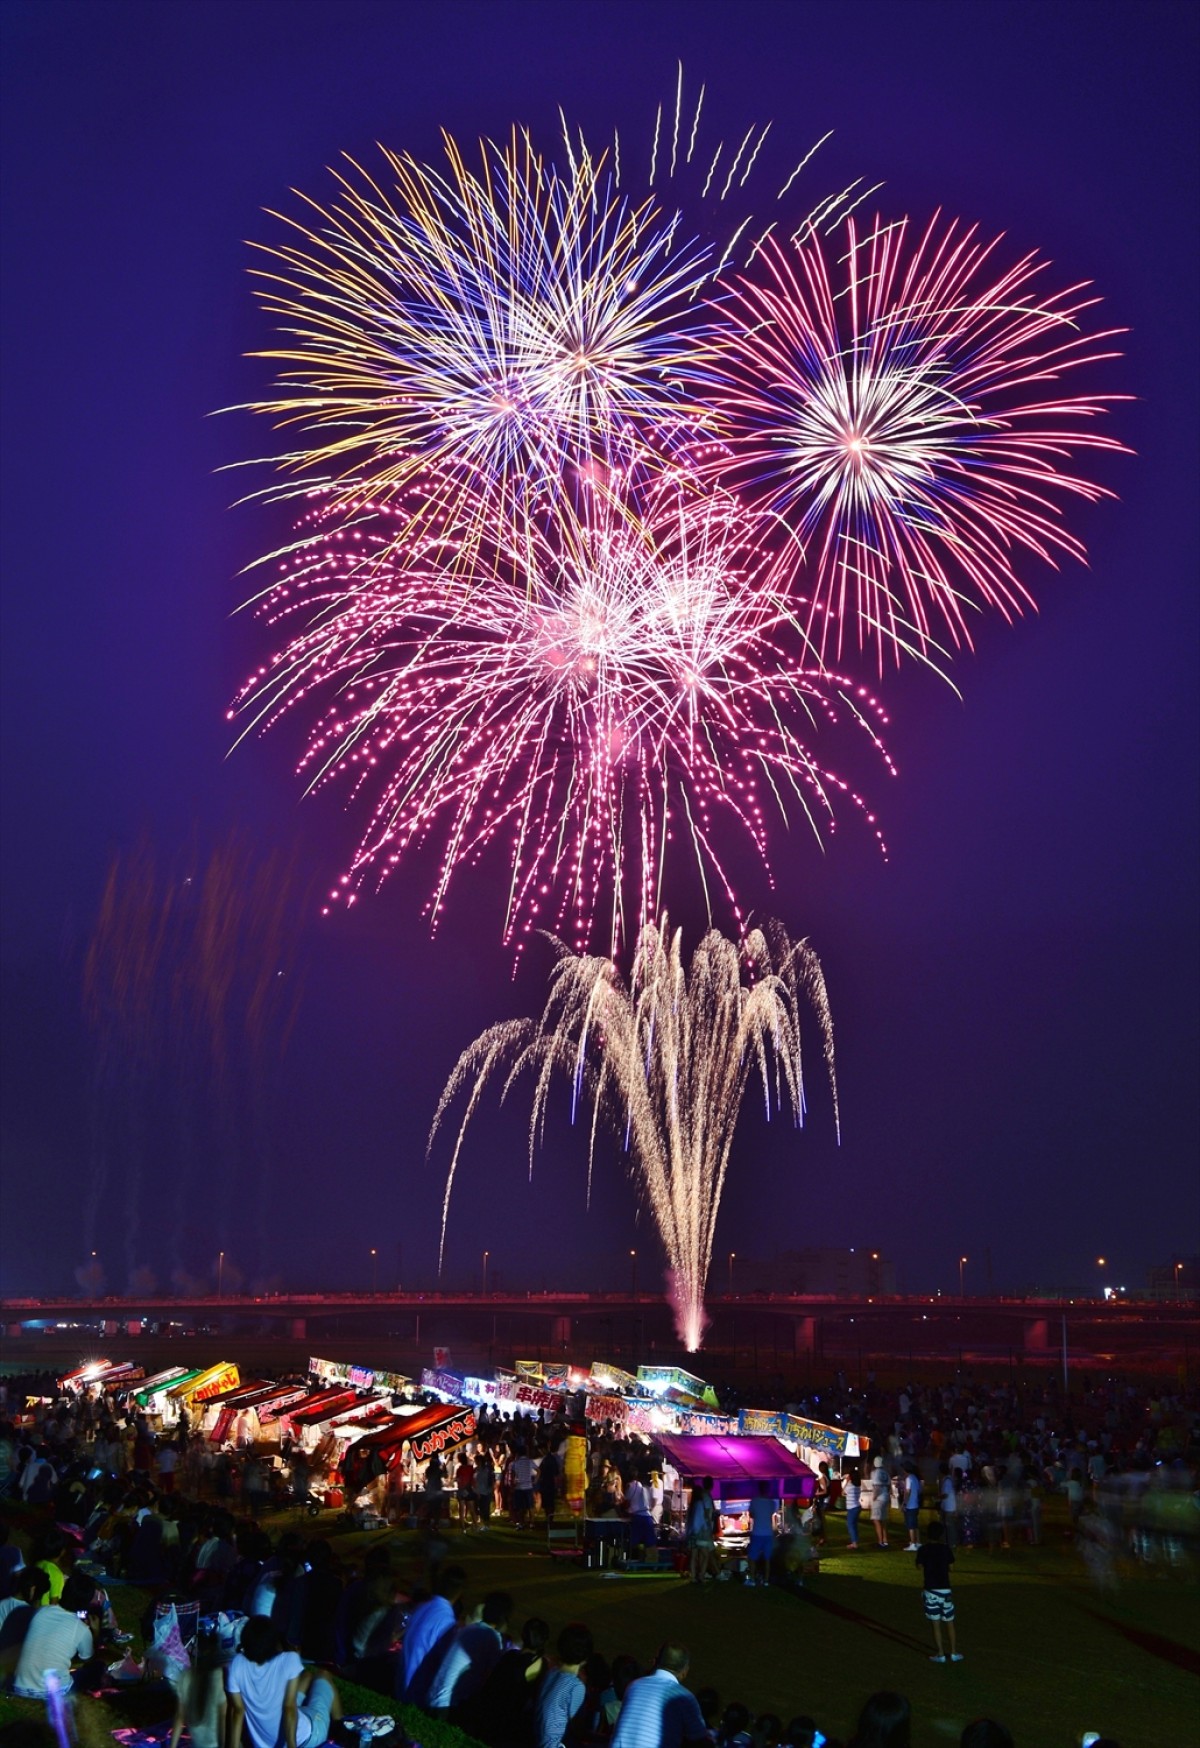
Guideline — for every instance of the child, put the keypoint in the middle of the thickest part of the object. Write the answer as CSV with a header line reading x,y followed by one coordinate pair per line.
x,y
935,1560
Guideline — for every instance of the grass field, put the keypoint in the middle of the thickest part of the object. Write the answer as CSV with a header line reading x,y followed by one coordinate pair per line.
x,y
1045,1654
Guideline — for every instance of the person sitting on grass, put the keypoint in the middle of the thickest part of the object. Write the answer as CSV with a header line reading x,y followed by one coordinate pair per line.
x,y
200,1696
17,1612
273,1697
659,1708
562,1694
935,1560
884,1722
471,1655
56,1638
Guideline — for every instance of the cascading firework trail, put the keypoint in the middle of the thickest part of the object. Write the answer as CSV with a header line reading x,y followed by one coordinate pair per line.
x,y
607,685
666,1060
897,400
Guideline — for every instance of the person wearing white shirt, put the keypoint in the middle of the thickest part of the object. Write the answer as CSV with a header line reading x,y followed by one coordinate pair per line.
x,y
56,1637
658,1711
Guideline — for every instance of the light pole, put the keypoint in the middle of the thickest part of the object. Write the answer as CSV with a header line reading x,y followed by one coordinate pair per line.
x,y
962,1262
486,1254
1178,1266
220,1271
633,1274
732,1255
374,1271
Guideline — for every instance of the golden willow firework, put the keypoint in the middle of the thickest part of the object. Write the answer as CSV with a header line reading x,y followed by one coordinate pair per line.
x,y
666,1060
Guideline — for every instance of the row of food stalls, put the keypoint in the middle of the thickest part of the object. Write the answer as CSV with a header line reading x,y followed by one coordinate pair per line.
x,y
655,1403
360,1423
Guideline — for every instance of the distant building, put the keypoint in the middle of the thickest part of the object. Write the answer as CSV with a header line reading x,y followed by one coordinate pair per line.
x,y
1179,1277
849,1274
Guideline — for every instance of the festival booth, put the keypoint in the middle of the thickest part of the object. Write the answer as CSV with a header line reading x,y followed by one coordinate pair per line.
x,y
419,1435
191,1392
737,1465
102,1376
154,1396
304,1420
812,1440
249,1415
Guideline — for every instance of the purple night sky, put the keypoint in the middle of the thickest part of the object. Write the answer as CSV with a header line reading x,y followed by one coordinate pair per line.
x,y
1014,991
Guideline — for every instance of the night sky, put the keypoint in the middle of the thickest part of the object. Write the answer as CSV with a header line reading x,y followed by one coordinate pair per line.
x,y
1014,990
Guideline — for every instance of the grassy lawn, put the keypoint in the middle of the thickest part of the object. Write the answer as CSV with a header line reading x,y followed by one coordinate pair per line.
x,y
1044,1652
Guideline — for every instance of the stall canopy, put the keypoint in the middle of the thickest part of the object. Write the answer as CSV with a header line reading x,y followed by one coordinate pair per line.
x,y
737,1465
428,1430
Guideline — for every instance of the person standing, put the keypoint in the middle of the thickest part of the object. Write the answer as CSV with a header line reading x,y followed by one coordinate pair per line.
x,y
762,1536
524,1472
935,1560
948,1502
912,1507
852,1495
881,1499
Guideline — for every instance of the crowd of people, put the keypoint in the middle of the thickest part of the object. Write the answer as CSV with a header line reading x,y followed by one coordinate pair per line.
x,y
959,1464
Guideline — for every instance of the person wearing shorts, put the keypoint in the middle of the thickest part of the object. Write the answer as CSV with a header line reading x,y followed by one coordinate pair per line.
x,y
935,1560
762,1536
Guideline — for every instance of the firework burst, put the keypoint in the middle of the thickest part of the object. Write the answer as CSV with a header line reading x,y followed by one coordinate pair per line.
x,y
496,323
595,689
897,399
666,1060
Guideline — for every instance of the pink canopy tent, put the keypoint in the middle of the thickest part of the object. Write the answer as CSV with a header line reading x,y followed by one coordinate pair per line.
x,y
737,1465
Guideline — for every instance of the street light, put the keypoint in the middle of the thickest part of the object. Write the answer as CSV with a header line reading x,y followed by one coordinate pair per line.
x,y
374,1271
962,1261
220,1271
1178,1266
633,1274
486,1254
732,1255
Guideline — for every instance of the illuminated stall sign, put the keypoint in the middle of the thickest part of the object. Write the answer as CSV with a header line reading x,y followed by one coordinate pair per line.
x,y
762,1423
357,1377
530,1369
225,1378
453,1431
693,1422
658,1378
449,1383
607,1377
614,1408
832,1441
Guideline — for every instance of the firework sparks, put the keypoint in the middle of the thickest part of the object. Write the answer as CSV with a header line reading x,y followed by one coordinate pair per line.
x,y
596,688
495,323
667,1060
900,405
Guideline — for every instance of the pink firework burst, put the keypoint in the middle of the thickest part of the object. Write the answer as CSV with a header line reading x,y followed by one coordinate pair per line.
x,y
897,399
591,691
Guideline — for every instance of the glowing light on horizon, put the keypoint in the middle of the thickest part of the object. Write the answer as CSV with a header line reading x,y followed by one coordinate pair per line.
x,y
666,1060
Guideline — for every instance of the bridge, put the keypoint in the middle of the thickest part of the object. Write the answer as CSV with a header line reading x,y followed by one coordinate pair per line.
x,y
766,1332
